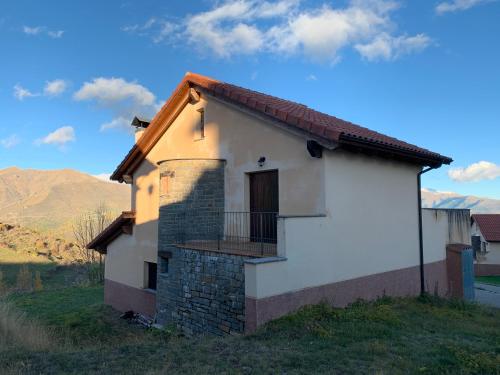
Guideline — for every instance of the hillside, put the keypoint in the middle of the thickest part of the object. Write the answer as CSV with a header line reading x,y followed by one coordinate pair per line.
x,y
50,200
436,199
28,242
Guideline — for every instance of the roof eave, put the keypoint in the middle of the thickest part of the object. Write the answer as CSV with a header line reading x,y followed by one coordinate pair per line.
x,y
424,159
112,231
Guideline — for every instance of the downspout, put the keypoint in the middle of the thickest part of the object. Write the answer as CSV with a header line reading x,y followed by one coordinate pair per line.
x,y
420,231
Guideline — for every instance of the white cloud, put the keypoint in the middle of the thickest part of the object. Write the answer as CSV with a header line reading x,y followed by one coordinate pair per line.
x,y
122,123
457,5
55,34
387,47
37,30
55,87
125,99
32,30
165,30
20,93
287,28
103,176
112,90
311,77
10,141
483,170
59,136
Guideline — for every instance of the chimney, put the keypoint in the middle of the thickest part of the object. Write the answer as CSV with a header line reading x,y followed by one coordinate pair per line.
x,y
140,125
138,133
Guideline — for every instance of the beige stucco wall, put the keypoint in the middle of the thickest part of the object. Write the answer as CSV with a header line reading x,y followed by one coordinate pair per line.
x,y
492,255
371,227
237,137
124,264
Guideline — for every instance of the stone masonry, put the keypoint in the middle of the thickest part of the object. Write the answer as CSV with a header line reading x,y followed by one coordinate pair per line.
x,y
202,291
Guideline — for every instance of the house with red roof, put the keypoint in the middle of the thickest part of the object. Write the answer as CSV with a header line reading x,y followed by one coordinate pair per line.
x,y
246,206
485,230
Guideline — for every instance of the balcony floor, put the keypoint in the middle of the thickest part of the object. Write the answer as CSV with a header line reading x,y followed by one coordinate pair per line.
x,y
247,248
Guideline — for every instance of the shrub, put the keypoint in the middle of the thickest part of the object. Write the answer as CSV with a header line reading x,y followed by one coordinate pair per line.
x,y
24,278
37,284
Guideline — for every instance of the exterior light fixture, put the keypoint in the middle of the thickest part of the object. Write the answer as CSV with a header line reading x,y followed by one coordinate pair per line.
x,y
261,161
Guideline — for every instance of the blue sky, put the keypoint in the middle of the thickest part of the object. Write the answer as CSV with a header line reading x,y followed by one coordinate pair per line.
x,y
73,73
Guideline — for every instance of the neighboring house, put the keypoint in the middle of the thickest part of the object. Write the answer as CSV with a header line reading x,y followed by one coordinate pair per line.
x,y
247,206
485,230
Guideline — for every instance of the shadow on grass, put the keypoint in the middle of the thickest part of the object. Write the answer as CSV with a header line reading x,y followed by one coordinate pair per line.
x,y
53,275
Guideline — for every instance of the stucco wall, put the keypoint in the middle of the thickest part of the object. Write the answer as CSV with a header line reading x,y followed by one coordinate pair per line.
x,y
241,140
492,255
442,227
371,226
124,264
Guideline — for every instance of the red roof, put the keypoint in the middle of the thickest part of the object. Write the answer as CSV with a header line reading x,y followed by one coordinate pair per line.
x,y
122,224
319,126
489,225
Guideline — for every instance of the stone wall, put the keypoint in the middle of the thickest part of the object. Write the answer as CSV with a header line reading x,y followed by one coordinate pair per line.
x,y
191,200
203,292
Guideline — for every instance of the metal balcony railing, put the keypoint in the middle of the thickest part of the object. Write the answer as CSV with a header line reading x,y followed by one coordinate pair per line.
x,y
242,233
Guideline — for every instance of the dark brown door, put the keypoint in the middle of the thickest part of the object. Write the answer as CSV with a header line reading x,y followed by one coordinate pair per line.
x,y
264,206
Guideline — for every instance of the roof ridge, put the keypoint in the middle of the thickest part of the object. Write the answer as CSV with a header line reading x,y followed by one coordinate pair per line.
x,y
332,117
311,123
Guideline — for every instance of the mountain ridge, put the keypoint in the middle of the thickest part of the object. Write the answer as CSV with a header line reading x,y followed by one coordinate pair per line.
x,y
446,199
51,199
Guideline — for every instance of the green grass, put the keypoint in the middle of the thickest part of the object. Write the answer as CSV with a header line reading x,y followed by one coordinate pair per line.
x,y
53,275
11,261
389,336
492,280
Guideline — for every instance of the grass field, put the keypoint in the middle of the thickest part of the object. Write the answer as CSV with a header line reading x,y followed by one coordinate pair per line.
x,y
492,280
53,275
390,336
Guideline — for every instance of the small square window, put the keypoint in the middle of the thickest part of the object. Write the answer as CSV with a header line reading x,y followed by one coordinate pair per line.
x,y
163,265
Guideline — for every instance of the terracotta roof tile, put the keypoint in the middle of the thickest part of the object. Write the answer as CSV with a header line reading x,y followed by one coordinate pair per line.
x,y
319,124
489,225
113,230
311,123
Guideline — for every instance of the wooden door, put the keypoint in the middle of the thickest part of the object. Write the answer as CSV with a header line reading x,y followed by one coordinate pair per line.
x,y
264,206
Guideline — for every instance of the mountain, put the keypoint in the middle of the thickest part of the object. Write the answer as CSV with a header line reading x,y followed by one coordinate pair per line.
x,y
51,200
27,242
438,199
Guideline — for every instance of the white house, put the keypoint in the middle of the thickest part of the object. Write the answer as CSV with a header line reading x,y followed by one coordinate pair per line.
x,y
485,230
247,206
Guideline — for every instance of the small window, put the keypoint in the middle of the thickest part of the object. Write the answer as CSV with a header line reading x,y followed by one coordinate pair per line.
x,y
151,277
164,184
200,131
163,265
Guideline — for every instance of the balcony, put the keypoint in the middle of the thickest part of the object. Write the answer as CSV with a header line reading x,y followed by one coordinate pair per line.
x,y
239,233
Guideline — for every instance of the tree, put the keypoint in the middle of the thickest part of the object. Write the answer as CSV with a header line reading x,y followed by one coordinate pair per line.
x,y
85,228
